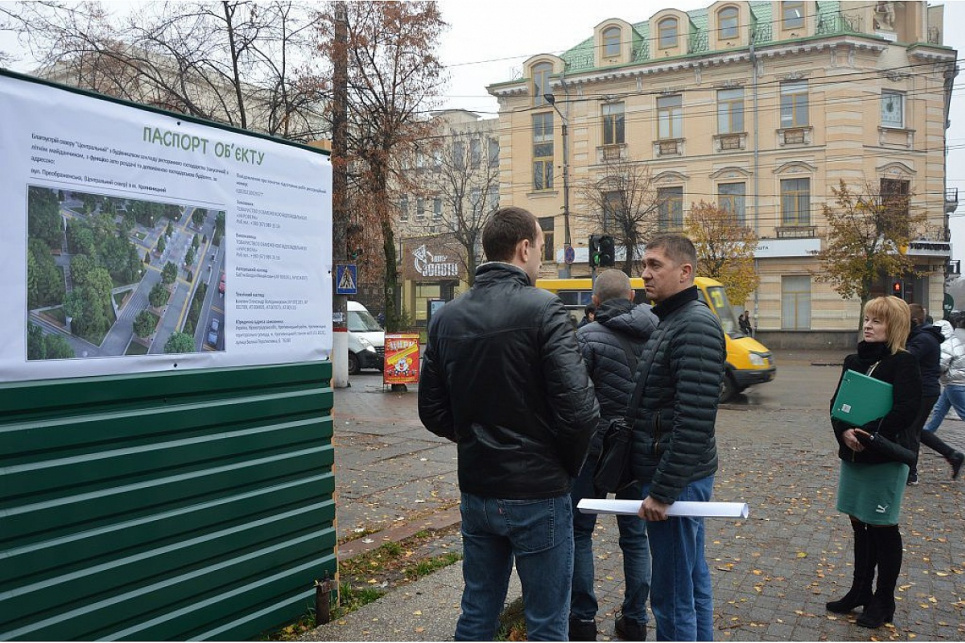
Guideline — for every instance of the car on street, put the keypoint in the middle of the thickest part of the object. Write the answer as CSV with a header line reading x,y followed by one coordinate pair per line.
x,y
221,285
213,333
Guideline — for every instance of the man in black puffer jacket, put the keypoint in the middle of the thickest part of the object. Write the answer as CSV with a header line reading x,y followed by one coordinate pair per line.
x,y
924,342
503,378
611,347
674,450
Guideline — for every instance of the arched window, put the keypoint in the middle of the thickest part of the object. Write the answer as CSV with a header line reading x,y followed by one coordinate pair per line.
x,y
727,23
611,42
667,32
541,82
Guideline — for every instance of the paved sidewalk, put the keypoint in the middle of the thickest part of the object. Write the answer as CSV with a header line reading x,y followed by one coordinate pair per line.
x,y
772,573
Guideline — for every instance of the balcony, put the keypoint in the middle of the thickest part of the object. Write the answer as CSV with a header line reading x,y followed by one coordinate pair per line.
x,y
730,142
669,147
951,200
794,136
797,232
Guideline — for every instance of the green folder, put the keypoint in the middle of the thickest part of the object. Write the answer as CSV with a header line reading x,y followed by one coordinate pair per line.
x,y
861,399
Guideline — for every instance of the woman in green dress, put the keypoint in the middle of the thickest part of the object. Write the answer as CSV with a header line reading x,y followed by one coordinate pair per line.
x,y
871,485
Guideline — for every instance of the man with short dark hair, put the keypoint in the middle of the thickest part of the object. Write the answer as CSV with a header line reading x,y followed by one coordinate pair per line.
x,y
611,347
503,378
674,452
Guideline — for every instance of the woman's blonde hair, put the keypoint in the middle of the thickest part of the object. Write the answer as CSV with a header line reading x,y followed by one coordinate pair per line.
x,y
897,317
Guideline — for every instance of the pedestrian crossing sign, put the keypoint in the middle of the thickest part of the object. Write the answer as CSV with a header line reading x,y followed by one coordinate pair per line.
x,y
346,279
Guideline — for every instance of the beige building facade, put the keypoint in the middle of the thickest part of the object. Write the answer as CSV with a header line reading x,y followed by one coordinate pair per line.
x,y
760,107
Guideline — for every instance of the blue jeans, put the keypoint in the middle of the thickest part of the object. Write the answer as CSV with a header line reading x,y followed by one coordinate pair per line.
x,y
681,599
633,544
952,395
538,534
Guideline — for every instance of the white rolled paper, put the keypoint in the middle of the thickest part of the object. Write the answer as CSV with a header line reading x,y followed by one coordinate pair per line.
x,y
680,509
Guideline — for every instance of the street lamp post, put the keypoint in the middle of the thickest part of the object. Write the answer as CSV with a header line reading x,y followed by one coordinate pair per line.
x,y
565,272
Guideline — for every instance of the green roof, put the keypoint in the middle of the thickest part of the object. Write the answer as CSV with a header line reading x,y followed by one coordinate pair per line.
x,y
581,57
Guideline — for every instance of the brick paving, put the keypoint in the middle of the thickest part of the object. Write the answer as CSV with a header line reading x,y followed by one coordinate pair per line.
x,y
772,573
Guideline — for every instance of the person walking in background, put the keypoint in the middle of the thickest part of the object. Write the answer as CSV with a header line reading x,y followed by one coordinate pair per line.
x,y
674,451
953,394
589,315
870,486
745,323
611,347
503,378
924,342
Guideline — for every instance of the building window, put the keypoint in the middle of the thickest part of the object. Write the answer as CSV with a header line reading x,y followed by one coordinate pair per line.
x,y
614,209
895,198
493,152
437,160
670,208
613,124
475,153
493,199
459,155
541,82
892,109
667,33
795,202
731,198
437,209
420,208
796,302
404,208
794,104
475,203
611,42
792,15
730,111
543,151
669,117
727,22
546,225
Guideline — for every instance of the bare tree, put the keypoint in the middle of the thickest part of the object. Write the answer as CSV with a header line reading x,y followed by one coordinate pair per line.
x,y
242,63
460,170
622,201
394,75
725,249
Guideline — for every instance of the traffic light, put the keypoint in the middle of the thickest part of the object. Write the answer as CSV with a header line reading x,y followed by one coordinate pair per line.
x,y
595,250
896,289
607,251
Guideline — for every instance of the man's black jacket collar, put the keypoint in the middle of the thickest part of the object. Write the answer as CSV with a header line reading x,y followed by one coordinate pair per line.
x,y
674,302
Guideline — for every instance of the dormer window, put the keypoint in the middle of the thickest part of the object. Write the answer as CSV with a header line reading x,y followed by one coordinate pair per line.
x,y
611,42
541,82
727,23
667,33
792,14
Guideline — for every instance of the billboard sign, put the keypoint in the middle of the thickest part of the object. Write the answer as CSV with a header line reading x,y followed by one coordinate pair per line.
x,y
137,240
401,358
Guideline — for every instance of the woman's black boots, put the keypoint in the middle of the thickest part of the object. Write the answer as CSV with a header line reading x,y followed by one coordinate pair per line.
x,y
887,544
860,594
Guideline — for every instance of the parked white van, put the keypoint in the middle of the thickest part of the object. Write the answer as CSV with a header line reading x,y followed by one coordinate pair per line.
x,y
366,339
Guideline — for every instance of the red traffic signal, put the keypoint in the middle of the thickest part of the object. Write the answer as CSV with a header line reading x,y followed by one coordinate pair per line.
x,y
896,288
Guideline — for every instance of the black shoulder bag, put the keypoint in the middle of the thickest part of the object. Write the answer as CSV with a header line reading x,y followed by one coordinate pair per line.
x,y
613,472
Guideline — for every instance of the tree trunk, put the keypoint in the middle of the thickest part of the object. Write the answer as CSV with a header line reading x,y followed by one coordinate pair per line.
x,y
393,318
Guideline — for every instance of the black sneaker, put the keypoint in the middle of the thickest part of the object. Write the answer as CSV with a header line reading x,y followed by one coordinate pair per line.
x,y
630,630
913,479
581,630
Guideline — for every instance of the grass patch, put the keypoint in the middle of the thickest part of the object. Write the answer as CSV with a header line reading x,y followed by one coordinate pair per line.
x,y
369,576
119,298
136,348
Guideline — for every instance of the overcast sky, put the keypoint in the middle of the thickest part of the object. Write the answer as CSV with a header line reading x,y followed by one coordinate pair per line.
x,y
488,42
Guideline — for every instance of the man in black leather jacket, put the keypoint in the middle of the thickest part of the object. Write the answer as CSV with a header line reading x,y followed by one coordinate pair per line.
x,y
503,378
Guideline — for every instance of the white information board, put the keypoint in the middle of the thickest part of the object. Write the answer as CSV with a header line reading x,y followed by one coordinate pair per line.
x,y
137,241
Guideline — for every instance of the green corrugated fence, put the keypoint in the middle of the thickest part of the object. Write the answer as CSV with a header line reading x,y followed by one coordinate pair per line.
x,y
174,506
